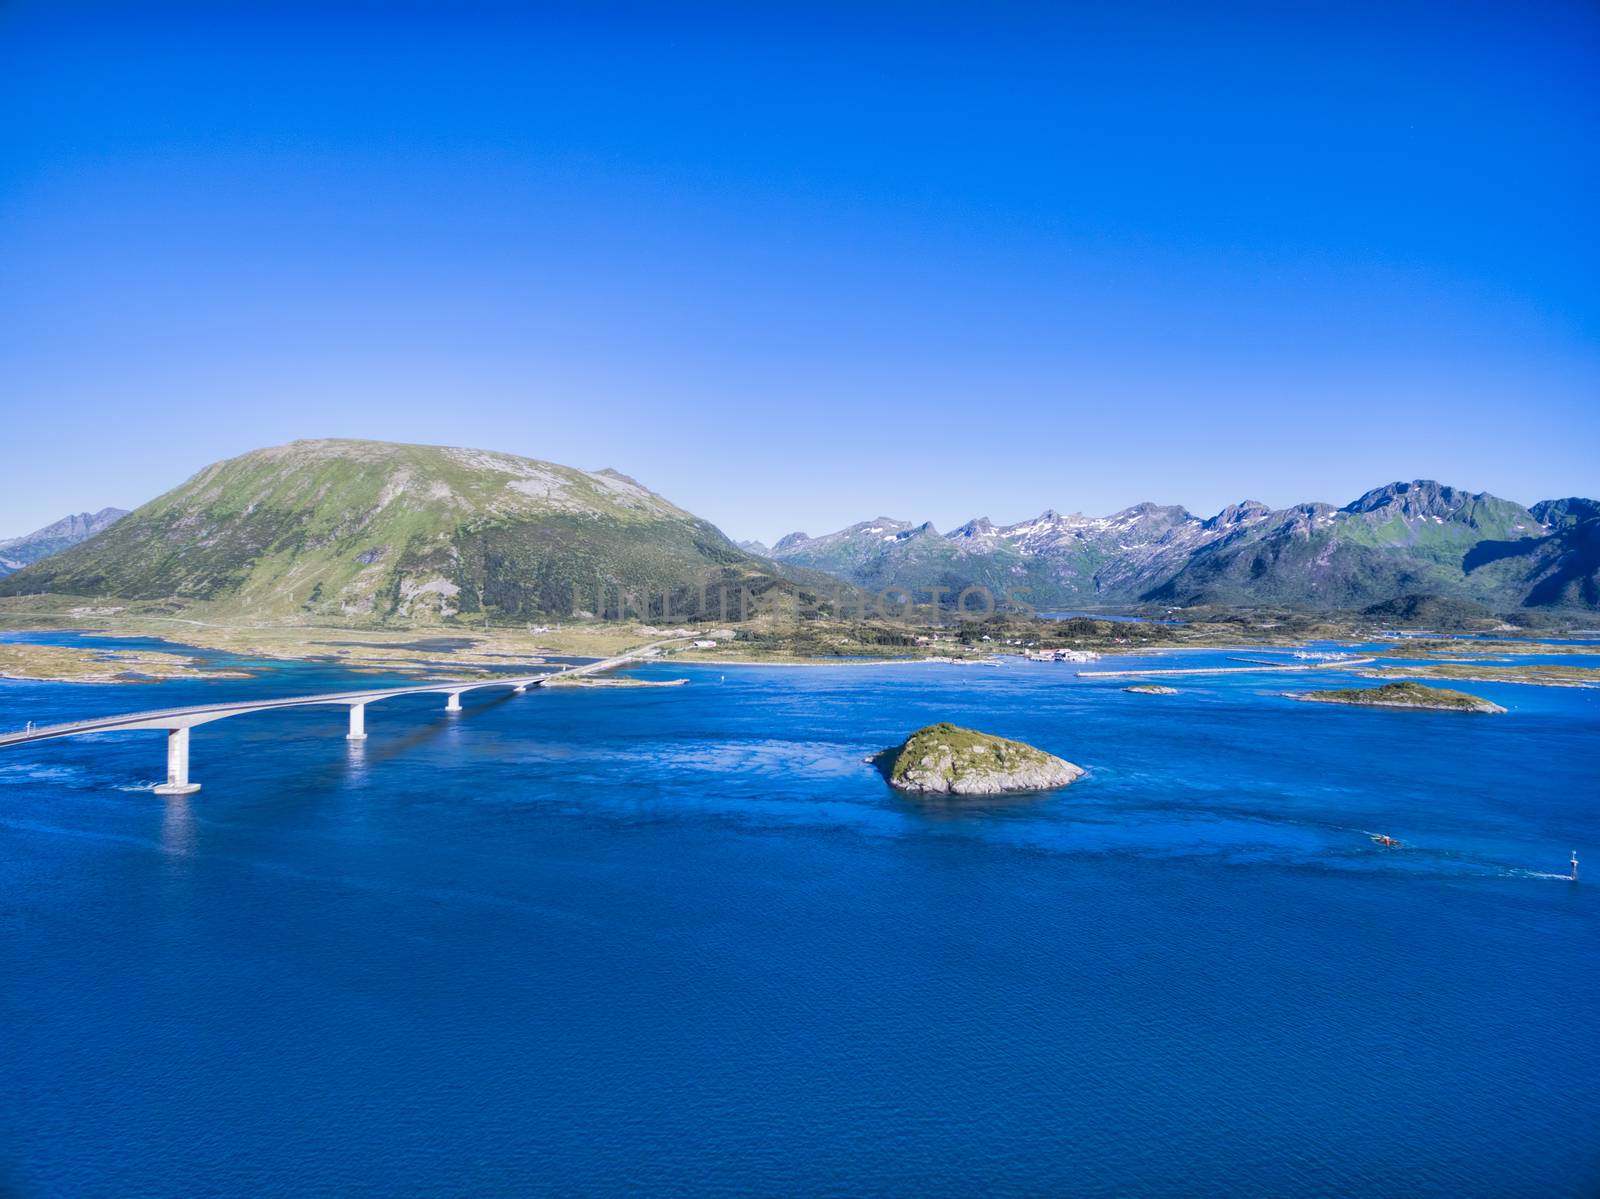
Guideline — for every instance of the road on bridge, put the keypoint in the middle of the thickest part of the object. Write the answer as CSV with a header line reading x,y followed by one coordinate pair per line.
x,y
178,721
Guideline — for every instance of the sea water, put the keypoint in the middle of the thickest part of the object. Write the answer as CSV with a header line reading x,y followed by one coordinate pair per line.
x,y
683,941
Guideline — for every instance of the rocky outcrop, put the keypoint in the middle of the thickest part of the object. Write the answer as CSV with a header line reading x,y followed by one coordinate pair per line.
x,y
945,759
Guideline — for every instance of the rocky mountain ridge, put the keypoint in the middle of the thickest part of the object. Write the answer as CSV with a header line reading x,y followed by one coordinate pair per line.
x,y
17,552
1404,538
372,530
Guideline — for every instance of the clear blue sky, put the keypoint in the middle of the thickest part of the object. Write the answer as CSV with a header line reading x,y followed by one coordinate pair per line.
x,y
797,266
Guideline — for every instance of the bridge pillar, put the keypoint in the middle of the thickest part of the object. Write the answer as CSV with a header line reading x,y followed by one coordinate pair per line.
x,y
453,704
358,723
177,765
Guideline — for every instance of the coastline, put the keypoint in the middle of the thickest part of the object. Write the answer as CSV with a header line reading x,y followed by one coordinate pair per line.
x,y
33,662
1484,709
473,650
95,680
1434,678
682,661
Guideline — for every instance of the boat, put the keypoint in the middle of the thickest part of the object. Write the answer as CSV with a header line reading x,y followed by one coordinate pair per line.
x,y
1385,840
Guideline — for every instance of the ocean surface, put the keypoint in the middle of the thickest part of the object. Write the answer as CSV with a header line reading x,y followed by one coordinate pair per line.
x,y
682,941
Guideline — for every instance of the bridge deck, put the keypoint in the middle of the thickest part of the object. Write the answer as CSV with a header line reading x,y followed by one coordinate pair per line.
x,y
177,718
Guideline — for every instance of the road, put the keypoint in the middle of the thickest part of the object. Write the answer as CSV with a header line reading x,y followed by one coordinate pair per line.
x,y
182,718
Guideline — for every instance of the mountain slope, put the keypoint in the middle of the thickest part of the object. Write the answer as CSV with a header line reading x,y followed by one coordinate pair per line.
x,y
1561,570
1565,513
1052,559
18,552
1401,539
1417,538
362,529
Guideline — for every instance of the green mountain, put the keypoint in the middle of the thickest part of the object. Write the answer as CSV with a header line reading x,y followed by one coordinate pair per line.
x,y
1049,560
17,552
1413,539
1565,514
1560,570
372,530
1401,539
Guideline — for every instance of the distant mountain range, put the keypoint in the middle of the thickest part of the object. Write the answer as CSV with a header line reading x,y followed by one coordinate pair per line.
x,y
1405,539
364,529
18,552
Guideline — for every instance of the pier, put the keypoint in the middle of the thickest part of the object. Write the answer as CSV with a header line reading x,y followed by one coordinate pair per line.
x,y
1257,668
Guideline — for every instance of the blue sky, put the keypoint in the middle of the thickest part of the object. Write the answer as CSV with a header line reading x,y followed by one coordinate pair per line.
x,y
798,266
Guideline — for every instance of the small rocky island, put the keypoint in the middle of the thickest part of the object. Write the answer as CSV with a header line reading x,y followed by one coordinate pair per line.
x,y
945,759
1151,689
1403,695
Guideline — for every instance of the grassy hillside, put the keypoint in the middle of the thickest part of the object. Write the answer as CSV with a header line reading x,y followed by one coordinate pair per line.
x,y
378,531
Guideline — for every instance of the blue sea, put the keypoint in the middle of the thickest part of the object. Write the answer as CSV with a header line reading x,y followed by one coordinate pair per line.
x,y
683,942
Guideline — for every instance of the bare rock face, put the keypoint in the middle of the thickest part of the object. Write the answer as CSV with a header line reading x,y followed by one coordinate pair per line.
x,y
944,759
17,552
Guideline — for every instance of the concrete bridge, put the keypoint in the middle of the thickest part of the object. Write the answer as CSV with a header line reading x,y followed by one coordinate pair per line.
x,y
178,721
